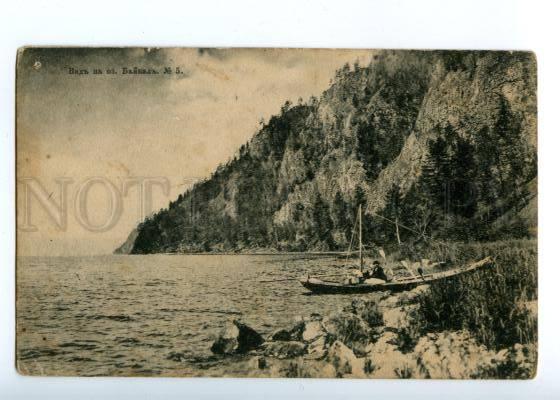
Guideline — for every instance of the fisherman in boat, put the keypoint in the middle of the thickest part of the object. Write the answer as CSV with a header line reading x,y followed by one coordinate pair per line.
x,y
378,272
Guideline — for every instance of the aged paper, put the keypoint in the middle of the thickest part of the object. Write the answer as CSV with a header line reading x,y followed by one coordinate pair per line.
x,y
276,213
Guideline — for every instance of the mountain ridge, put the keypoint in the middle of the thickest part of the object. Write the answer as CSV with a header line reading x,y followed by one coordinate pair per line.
x,y
444,141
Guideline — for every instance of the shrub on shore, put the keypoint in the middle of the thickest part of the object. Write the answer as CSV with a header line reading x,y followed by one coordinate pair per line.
x,y
491,304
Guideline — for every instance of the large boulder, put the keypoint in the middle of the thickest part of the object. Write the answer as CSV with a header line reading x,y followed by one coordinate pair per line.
x,y
404,321
412,296
236,337
453,355
345,361
349,329
384,360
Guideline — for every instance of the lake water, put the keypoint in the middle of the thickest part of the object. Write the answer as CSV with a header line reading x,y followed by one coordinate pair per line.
x,y
128,315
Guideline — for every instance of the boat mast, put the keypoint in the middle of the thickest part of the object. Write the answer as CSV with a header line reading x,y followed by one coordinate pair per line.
x,y
360,244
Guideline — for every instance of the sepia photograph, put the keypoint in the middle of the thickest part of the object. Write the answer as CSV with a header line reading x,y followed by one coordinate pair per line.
x,y
276,213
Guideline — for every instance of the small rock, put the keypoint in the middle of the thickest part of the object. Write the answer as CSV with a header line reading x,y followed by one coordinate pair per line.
x,y
281,335
327,371
283,349
293,334
412,296
227,341
400,318
317,349
315,317
236,337
456,355
389,302
420,290
367,309
386,343
312,330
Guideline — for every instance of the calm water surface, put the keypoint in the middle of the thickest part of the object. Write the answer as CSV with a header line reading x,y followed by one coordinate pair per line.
x,y
154,314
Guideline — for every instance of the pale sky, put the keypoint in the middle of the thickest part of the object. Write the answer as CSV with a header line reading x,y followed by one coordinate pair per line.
x,y
178,127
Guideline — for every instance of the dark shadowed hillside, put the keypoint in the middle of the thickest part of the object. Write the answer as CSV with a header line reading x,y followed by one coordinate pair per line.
x,y
443,142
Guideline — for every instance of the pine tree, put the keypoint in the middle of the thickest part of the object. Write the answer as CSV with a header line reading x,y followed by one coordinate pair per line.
x,y
339,212
322,221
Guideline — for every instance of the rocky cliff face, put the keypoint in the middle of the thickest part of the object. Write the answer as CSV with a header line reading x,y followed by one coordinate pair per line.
x,y
445,142
128,245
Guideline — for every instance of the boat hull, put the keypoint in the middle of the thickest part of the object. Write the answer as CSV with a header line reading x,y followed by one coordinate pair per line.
x,y
326,287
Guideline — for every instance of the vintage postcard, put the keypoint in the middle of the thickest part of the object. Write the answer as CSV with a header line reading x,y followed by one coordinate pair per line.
x,y
276,213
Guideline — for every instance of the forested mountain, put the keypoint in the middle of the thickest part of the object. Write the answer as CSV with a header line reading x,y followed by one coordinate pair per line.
x,y
444,142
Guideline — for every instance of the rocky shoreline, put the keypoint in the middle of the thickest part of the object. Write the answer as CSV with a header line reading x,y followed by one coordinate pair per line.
x,y
373,337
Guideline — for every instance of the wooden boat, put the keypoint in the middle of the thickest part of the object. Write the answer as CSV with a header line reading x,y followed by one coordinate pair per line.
x,y
399,284
317,285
